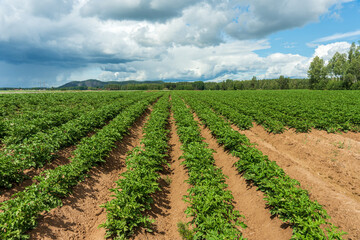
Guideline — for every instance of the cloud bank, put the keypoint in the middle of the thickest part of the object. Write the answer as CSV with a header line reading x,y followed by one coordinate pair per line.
x,y
61,40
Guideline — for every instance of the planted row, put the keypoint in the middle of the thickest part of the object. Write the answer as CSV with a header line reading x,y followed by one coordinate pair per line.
x,y
210,204
31,121
284,195
133,191
20,214
303,110
37,150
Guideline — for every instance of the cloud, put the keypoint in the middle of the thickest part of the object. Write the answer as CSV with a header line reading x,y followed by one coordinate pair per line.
x,y
259,18
327,51
147,39
118,68
153,10
337,36
52,9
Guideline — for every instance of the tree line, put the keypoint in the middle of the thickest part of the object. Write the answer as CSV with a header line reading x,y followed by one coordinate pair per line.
x,y
341,72
269,84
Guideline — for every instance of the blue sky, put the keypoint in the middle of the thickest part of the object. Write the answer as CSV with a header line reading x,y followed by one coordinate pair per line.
x,y
51,42
337,21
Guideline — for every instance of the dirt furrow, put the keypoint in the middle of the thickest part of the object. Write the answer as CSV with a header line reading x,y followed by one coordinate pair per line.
x,y
60,158
247,200
331,156
169,207
306,157
81,214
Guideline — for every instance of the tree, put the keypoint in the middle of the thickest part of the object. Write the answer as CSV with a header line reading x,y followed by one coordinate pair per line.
x,y
354,52
283,82
337,65
349,80
198,85
317,72
353,67
253,82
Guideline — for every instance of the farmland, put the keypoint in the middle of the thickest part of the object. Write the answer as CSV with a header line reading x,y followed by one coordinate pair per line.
x,y
180,164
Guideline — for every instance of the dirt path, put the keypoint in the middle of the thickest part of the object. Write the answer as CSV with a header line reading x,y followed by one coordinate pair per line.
x,y
169,208
62,158
81,215
327,165
247,200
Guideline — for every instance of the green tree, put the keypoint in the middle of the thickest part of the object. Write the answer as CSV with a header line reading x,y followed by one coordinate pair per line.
x,y
253,83
317,72
349,80
198,85
337,65
229,84
283,82
354,52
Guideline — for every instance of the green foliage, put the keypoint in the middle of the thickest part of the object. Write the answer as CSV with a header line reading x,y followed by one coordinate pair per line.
x,y
38,149
284,195
343,68
185,232
133,192
275,110
283,82
210,204
317,72
20,214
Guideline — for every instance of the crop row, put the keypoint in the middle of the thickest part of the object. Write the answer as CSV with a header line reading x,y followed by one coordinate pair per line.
x,y
210,204
38,112
284,195
241,120
301,110
133,191
38,149
15,105
20,214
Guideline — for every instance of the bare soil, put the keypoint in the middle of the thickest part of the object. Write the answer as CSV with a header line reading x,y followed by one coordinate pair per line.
x,y
168,208
81,214
327,165
61,157
247,200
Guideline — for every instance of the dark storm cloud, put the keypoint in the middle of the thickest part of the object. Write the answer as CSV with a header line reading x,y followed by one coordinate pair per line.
x,y
51,8
118,68
142,39
18,52
152,10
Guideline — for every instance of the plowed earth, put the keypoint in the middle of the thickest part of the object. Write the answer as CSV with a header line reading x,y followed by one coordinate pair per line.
x,y
327,165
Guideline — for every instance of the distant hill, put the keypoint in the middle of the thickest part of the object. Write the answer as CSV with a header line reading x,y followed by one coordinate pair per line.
x,y
101,84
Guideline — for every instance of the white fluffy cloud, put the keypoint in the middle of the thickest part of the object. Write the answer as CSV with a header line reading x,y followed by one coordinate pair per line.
x,y
150,39
327,51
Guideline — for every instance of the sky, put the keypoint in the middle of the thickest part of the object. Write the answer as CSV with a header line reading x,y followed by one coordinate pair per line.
x,y
52,42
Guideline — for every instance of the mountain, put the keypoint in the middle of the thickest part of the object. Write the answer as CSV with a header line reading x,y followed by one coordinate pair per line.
x,y
101,84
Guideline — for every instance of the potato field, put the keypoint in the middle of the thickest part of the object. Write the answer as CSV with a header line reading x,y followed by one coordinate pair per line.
x,y
180,165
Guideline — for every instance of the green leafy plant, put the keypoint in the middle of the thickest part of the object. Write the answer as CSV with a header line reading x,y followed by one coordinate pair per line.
x,y
184,231
133,192
284,196
19,214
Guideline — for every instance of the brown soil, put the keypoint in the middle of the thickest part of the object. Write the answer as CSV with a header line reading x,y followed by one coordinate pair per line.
x,y
327,165
61,158
81,213
247,200
168,208
352,135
